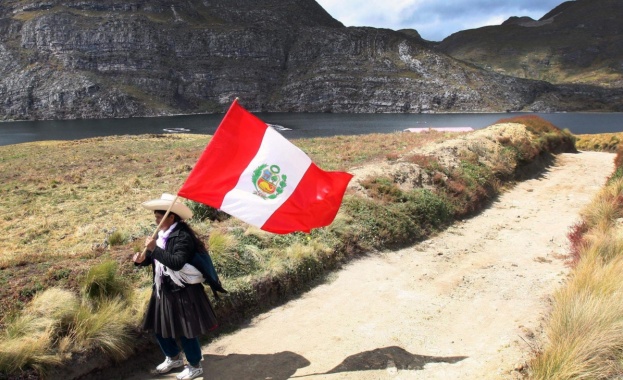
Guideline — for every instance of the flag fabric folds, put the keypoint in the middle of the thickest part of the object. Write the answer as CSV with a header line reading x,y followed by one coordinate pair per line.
x,y
252,172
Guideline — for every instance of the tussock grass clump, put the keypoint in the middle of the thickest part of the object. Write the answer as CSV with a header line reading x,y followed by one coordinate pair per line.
x,y
29,352
105,327
585,328
56,322
117,238
102,281
607,206
29,338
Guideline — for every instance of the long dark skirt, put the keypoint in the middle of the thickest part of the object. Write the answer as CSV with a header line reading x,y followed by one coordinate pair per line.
x,y
186,312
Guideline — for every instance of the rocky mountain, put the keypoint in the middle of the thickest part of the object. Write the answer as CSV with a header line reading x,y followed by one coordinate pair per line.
x,y
112,58
579,41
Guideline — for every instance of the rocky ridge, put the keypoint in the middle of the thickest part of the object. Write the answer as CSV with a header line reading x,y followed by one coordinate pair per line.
x,y
101,59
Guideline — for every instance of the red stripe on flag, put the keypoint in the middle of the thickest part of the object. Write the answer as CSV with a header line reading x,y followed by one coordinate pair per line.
x,y
233,146
314,203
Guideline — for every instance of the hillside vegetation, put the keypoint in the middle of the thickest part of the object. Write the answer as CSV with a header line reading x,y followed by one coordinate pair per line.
x,y
72,219
577,42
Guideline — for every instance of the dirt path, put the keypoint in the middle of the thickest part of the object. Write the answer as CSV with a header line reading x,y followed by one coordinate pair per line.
x,y
465,304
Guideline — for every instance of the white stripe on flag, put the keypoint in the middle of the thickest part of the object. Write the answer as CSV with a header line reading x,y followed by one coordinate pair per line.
x,y
274,150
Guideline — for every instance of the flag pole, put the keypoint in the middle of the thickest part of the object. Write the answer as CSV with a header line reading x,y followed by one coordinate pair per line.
x,y
141,257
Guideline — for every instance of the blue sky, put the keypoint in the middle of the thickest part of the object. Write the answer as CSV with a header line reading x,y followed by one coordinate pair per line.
x,y
433,19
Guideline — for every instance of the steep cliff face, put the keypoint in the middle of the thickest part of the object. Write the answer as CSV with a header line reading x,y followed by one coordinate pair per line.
x,y
106,58
579,41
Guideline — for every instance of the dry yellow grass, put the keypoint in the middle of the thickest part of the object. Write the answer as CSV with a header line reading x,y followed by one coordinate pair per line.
x,y
585,328
64,201
66,198
608,142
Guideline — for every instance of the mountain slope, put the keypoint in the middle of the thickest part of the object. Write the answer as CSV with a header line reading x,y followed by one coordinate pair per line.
x,y
577,42
107,58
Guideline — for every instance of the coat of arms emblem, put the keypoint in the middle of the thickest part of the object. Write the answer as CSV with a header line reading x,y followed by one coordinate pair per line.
x,y
268,181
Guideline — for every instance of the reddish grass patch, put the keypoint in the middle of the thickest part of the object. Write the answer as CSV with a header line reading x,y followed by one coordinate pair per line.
x,y
533,123
576,239
618,159
423,160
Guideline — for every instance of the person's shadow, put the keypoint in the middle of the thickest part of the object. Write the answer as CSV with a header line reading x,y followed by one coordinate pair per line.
x,y
279,366
283,365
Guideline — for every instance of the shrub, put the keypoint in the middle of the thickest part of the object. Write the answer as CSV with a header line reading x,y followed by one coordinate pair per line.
x,y
428,210
203,212
469,186
377,224
382,188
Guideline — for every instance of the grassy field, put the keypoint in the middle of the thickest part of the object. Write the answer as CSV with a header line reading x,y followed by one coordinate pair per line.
x,y
71,219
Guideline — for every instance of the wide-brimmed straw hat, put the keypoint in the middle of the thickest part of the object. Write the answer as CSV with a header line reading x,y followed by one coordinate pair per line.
x,y
163,204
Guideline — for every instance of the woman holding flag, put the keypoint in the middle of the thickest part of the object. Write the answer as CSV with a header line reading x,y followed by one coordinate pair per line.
x,y
253,173
179,307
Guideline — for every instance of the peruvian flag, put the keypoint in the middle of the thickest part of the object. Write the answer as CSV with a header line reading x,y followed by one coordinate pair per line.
x,y
252,172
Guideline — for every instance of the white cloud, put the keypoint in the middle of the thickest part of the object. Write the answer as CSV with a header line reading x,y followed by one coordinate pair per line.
x,y
378,13
433,19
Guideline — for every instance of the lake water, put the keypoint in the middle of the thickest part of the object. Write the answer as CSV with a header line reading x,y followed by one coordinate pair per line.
x,y
302,125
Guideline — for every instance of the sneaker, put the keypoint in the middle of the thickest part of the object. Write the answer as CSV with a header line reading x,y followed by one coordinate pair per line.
x,y
190,372
168,364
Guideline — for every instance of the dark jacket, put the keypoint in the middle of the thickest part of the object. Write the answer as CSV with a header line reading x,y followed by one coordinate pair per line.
x,y
179,250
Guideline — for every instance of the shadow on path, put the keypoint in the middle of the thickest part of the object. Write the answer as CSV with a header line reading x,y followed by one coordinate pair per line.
x,y
283,365
279,366
387,358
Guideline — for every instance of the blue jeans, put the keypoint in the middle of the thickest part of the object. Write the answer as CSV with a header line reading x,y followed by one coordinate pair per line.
x,y
192,348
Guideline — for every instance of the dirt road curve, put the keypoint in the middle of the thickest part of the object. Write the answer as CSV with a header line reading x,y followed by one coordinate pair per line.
x,y
465,304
